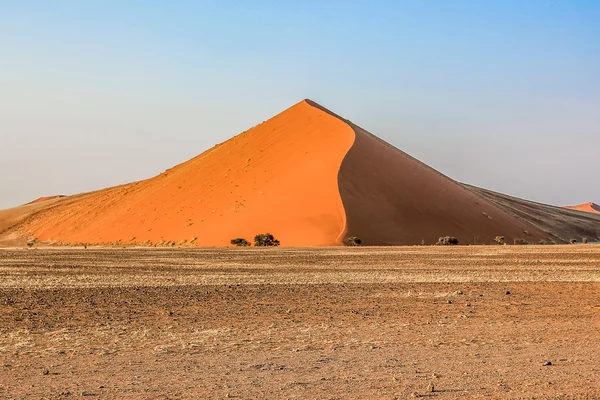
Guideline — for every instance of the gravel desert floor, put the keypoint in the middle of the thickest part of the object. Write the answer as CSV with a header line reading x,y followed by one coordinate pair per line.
x,y
506,322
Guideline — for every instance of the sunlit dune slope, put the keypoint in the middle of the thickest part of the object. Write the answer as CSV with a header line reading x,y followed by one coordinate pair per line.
x,y
587,207
278,177
11,218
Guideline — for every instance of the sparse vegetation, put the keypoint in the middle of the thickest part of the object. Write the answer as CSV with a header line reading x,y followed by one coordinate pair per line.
x,y
353,241
500,240
520,241
573,241
542,241
265,239
30,242
585,240
447,241
240,242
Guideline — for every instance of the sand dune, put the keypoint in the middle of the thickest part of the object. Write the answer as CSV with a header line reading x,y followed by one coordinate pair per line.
x,y
46,198
563,223
587,207
280,177
307,175
11,219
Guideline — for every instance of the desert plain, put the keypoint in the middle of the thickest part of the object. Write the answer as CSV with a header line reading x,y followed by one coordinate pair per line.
x,y
494,322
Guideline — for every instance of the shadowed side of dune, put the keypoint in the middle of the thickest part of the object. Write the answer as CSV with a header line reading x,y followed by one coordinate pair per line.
x,y
278,177
391,198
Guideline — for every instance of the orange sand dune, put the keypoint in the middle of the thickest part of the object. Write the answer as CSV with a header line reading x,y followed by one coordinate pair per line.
x,y
307,175
46,198
587,207
11,218
278,177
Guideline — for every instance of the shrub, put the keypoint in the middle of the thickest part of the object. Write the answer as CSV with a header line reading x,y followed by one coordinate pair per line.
x,y
499,239
265,239
353,241
447,241
520,241
542,241
241,242
585,240
572,241
30,242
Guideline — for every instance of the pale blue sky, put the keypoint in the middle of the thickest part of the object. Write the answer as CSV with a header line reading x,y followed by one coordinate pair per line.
x,y
500,94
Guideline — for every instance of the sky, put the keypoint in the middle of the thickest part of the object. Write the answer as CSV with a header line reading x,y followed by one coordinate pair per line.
x,y
500,94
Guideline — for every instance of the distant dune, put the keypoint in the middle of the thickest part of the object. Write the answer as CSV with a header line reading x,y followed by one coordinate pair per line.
x,y
46,198
307,175
587,207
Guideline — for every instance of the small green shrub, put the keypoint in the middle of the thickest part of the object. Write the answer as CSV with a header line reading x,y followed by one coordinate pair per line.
x,y
265,239
240,242
447,241
520,241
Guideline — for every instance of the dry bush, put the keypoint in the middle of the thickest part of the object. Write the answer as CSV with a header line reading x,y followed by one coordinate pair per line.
x,y
352,241
240,242
585,240
500,240
573,241
265,239
447,241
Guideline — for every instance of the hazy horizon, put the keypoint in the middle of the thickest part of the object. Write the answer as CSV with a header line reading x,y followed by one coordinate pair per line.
x,y
501,95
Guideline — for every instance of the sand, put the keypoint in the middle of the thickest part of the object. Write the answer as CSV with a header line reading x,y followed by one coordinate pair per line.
x,y
324,323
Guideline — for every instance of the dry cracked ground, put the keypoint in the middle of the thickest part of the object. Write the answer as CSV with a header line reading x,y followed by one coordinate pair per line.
x,y
329,323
